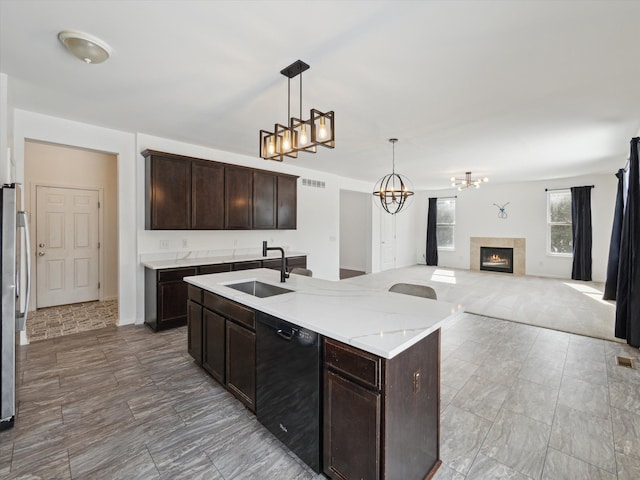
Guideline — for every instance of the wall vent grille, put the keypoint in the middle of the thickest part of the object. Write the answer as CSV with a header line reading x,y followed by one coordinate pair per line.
x,y
307,182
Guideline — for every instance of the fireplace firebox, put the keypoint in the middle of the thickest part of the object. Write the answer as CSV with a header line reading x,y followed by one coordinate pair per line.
x,y
496,259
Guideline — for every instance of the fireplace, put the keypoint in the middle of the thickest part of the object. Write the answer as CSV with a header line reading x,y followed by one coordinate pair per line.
x,y
496,259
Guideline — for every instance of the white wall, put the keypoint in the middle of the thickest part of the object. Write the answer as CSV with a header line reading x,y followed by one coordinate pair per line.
x,y
355,230
6,123
476,216
36,126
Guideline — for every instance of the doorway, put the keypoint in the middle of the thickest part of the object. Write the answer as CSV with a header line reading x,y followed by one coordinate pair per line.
x,y
68,242
74,242
387,240
355,233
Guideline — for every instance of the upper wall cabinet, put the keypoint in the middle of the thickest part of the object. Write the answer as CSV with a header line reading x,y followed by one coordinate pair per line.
x,y
238,198
184,193
264,200
207,195
287,202
168,192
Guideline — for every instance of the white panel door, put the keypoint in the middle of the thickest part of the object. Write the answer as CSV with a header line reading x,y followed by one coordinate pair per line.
x,y
67,246
387,240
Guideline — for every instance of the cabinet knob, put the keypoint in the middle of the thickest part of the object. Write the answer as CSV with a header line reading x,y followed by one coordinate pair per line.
x,y
41,254
41,245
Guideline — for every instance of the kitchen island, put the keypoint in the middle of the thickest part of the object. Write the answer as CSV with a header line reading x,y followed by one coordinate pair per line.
x,y
379,356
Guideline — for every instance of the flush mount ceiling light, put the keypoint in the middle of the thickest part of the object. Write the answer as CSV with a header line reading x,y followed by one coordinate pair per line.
x,y
86,47
299,135
467,181
393,190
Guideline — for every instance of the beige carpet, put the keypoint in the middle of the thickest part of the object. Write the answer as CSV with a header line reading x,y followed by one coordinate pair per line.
x,y
566,305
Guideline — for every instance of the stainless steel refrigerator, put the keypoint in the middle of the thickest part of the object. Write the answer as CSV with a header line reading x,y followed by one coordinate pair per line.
x,y
15,266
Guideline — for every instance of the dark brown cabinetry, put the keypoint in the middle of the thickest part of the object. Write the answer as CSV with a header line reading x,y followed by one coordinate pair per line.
x,y
287,202
264,200
207,195
194,322
213,338
166,292
185,193
166,297
215,268
238,183
168,192
241,363
228,342
381,416
247,265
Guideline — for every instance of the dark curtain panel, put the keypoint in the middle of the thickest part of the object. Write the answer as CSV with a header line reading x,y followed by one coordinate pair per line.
x,y
581,230
628,294
611,283
432,239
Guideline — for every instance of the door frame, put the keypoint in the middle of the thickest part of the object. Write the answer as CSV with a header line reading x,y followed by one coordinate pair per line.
x,y
383,217
33,189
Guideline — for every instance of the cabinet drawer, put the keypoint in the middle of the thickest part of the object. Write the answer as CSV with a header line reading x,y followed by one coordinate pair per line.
x,y
230,309
355,363
175,274
273,263
195,294
247,265
217,268
296,262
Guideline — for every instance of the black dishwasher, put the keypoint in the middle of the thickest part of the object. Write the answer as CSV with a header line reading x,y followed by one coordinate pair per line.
x,y
288,385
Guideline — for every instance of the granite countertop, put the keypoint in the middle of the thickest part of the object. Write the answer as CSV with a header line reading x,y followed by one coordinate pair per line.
x,y
379,322
194,261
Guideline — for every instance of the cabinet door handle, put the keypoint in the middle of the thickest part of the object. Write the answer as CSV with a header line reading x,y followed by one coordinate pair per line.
x,y
416,381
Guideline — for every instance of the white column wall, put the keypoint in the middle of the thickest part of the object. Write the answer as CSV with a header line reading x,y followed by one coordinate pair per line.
x,y
36,126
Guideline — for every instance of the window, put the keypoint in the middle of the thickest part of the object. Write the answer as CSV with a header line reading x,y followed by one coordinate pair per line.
x,y
559,236
445,223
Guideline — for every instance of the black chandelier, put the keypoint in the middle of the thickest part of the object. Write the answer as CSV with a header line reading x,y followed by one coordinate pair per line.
x,y
393,190
299,135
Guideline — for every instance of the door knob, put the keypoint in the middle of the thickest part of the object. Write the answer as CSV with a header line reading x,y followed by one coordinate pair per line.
x,y
41,254
41,245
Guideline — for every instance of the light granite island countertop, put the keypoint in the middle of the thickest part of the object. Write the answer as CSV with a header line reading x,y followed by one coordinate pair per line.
x,y
378,322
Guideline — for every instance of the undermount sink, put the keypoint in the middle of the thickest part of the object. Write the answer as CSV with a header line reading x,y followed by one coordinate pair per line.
x,y
258,289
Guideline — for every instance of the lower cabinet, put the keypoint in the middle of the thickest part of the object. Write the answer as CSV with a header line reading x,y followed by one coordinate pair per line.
x,y
213,344
166,292
227,342
194,338
351,429
241,363
166,297
381,416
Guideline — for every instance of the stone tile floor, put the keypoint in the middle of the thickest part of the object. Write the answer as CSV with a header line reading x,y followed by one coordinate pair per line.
x,y
61,320
517,401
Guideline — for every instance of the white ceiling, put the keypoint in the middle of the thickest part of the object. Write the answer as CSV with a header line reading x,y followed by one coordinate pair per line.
x,y
511,90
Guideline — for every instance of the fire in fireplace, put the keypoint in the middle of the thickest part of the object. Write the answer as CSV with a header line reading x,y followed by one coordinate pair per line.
x,y
496,259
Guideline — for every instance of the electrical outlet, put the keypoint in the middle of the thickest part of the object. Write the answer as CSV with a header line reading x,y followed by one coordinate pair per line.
x,y
164,244
185,243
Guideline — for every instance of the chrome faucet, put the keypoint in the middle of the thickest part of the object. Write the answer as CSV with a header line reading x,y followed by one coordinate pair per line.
x,y
283,268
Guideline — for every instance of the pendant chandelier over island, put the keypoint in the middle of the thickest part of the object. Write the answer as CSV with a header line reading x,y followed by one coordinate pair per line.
x,y
299,135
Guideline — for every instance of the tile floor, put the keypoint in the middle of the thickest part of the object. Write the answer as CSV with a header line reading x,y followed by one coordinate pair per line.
x,y
61,320
518,402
